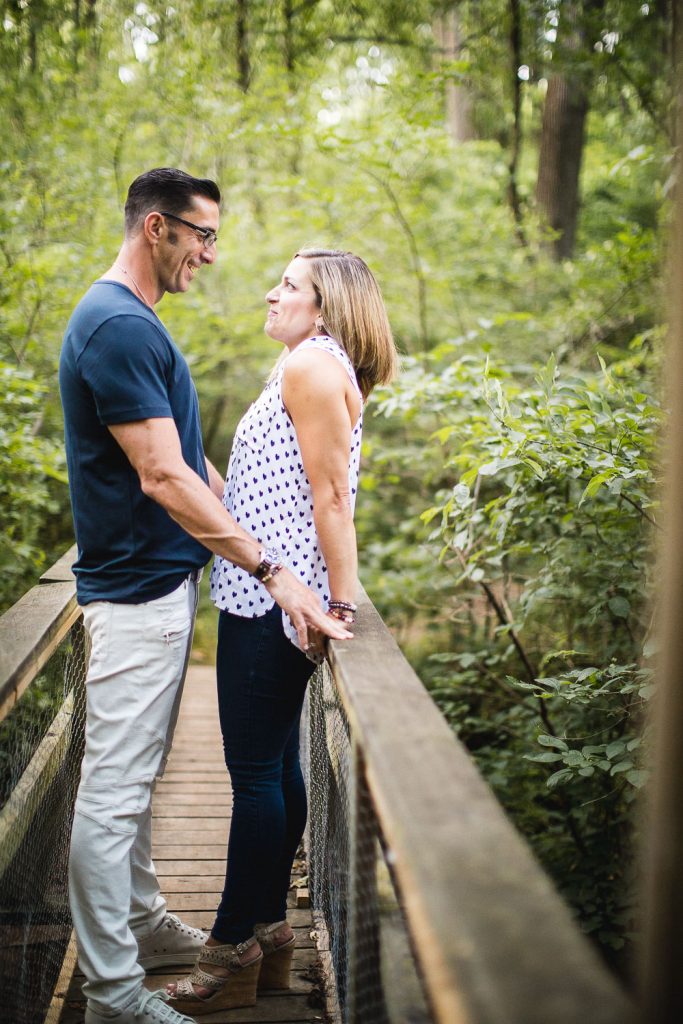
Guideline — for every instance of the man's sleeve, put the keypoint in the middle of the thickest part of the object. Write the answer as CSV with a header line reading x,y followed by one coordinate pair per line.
x,y
127,365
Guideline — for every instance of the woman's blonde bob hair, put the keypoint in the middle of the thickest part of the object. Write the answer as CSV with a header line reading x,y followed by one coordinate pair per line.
x,y
353,313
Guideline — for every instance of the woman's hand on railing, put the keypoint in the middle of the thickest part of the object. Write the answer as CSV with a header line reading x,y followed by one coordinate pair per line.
x,y
316,648
303,608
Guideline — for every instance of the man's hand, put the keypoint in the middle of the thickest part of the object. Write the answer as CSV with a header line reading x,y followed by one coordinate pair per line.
x,y
303,608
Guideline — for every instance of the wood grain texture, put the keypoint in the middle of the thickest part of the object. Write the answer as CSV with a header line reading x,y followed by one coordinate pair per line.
x,y
495,942
61,571
30,632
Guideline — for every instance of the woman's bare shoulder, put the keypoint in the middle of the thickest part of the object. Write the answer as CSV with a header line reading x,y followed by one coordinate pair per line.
x,y
304,363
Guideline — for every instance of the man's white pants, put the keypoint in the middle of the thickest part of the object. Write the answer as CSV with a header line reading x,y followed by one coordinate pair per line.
x,y
134,685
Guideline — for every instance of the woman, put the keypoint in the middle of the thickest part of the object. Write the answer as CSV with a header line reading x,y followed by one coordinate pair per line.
x,y
291,482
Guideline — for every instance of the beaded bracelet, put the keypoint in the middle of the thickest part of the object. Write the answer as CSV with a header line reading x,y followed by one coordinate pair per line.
x,y
343,615
272,571
344,606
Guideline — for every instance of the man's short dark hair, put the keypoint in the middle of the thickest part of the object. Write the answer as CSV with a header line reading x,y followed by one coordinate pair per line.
x,y
165,188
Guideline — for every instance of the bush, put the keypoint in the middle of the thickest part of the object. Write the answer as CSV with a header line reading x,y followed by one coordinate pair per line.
x,y
28,464
529,614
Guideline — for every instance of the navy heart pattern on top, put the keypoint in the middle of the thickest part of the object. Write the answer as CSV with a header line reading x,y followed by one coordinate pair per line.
x,y
268,493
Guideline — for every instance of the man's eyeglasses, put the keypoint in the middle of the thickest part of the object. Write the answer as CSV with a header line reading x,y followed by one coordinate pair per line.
x,y
207,235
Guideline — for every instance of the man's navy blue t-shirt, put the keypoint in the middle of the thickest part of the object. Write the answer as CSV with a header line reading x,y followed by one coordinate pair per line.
x,y
119,364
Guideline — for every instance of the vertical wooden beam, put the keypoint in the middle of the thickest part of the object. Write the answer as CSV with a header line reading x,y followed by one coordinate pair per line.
x,y
662,1000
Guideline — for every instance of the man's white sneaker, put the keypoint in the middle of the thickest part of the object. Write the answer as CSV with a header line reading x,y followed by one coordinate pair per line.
x,y
171,945
151,1008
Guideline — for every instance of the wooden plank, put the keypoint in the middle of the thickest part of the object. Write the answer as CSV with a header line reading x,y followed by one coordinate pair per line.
x,y
196,824
198,867
298,984
176,805
494,940
61,571
205,919
209,773
64,982
193,793
190,812
302,960
201,786
207,840
173,884
25,798
30,632
206,851
269,1009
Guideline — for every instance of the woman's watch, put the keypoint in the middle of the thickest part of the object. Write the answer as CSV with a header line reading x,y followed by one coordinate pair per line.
x,y
270,563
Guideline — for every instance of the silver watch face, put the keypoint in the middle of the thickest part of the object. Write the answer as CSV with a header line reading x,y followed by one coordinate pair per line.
x,y
272,556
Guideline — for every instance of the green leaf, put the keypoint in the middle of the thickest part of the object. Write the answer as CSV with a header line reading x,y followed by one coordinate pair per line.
x,y
637,777
552,741
594,485
558,777
430,514
620,607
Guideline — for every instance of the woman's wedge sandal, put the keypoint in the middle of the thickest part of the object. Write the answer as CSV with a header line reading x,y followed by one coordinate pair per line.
x,y
237,988
277,956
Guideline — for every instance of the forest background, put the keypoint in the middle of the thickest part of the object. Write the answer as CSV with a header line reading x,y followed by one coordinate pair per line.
x,y
504,166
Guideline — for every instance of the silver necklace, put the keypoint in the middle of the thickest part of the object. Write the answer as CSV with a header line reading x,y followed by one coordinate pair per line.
x,y
137,286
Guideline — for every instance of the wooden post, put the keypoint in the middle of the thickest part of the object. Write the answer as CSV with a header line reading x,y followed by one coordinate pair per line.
x,y
663,911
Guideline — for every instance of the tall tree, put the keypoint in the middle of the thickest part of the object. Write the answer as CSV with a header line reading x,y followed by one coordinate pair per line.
x,y
458,98
563,129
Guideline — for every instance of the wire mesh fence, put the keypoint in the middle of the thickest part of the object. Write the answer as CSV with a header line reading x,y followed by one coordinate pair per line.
x,y
370,968
41,745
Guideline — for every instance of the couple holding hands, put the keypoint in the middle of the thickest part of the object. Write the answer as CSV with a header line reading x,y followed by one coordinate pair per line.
x,y
149,511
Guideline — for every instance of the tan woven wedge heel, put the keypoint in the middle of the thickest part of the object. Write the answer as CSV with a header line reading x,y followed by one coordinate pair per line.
x,y
277,958
238,988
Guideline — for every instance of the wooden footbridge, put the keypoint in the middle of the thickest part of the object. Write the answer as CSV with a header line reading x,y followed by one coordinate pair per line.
x,y
189,854
425,904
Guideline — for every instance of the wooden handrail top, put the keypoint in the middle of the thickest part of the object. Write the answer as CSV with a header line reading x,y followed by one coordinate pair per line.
x,y
30,632
61,572
495,942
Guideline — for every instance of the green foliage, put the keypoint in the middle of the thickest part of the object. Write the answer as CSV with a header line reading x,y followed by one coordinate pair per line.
x,y
28,462
506,510
536,551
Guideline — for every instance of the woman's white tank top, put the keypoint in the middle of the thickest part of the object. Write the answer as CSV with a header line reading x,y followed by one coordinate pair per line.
x,y
269,494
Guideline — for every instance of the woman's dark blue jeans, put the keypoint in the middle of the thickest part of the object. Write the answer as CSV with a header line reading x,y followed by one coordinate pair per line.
x,y
262,680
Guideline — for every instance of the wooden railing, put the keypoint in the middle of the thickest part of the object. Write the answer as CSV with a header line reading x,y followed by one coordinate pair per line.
x,y
32,869
33,628
491,940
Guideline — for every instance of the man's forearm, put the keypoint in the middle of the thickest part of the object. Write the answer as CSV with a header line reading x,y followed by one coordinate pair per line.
x,y
196,508
215,479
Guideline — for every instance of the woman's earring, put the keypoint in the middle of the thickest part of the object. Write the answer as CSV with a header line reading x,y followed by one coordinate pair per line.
x,y
319,324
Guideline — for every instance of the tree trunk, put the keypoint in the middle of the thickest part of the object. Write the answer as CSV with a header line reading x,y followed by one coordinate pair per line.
x,y
289,45
559,166
562,139
516,143
242,46
458,98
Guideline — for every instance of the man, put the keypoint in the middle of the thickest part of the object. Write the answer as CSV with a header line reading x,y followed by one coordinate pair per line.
x,y
147,514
